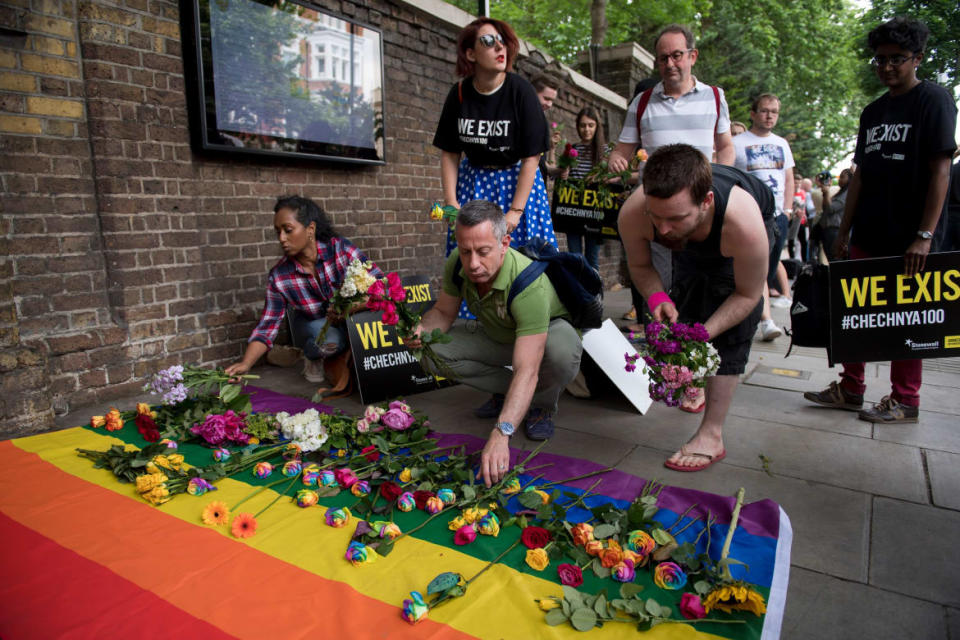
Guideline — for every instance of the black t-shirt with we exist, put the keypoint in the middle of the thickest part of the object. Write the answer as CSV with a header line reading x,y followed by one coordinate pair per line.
x,y
898,137
494,130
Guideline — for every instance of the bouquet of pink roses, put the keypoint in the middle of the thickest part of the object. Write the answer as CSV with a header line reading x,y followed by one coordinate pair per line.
x,y
678,359
388,296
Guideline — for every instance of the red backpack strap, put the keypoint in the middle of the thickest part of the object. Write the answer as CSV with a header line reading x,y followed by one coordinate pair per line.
x,y
641,107
716,99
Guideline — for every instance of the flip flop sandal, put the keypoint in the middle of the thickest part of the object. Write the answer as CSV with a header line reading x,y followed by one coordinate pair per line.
x,y
710,460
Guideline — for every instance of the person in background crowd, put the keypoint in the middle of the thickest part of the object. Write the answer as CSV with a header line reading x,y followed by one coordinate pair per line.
x,y
590,151
896,196
533,336
823,232
767,156
314,262
548,88
718,223
803,210
736,128
493,120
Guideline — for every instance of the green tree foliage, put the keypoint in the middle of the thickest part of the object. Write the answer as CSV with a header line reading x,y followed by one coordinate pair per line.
x,y
943,49
808,52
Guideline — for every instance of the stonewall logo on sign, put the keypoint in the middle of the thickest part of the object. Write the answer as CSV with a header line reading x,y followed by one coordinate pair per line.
x,y
578,208
878,313
384,367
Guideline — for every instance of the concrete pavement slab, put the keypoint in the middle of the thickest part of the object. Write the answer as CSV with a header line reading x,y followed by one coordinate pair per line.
x,y
914,551
789,407
831,526
829,458
944,470
826,608
938,431
953,623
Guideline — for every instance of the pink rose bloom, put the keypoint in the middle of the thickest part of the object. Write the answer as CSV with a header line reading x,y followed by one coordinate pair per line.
x,y
397,420
403,406
390,317
376,289
363,425
372,414
573,153
691,607
623,571
465,535
397,292
346,478
570,575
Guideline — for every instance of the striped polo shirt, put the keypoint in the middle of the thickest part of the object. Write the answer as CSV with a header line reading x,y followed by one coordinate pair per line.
x,y
689,119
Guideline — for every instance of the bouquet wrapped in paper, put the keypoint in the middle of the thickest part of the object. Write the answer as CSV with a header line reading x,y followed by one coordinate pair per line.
x,y
678,359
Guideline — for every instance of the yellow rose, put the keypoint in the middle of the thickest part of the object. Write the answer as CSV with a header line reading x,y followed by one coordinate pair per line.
x,y
143,408
537,559
456,523
406,475
149,482
97,421
176,460
548,603
161,461
152,468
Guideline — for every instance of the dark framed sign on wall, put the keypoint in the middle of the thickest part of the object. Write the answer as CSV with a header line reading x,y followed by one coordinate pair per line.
x,y
280,78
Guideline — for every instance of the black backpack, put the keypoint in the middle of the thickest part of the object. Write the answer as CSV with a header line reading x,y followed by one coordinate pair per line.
x,y
578,285
810,311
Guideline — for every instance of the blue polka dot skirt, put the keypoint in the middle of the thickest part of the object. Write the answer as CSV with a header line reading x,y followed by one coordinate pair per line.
x,y
498,186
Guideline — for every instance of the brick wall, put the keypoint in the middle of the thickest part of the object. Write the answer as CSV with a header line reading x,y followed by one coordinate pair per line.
x,y
128,252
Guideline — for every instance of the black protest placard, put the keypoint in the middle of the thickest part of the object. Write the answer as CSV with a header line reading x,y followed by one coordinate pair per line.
x,y
579,208
384,367
878,313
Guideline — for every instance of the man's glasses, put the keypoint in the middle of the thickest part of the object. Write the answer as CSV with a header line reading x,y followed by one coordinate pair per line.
x,y
676,56
488,40
882,61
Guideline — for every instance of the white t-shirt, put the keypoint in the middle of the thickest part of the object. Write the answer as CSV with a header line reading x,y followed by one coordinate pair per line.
x,y
690,119
766,157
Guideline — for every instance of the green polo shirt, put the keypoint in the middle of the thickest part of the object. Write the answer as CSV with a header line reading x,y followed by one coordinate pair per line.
x,y
531,311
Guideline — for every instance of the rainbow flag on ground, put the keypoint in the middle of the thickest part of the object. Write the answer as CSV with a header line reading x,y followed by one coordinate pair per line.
x,y
83,556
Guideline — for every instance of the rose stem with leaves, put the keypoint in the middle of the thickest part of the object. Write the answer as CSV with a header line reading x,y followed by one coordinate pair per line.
x,y
580,477
733,527
279,495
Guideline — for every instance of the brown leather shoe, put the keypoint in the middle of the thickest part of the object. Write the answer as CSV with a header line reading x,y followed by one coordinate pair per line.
x,y
836,397
890,411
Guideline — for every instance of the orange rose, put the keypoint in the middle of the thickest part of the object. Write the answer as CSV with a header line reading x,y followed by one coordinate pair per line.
x,y
593,547
97,421
582,534
611,557
113,420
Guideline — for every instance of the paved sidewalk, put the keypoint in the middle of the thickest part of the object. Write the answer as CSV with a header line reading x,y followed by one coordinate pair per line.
x,y
875,509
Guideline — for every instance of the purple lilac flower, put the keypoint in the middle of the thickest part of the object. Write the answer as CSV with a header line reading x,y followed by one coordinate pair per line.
x,y
175,395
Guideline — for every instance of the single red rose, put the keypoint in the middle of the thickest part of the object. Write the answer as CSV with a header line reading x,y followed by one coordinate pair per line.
x,y
370,453
535,537
145,424
421,498
570,575
390,490
150,435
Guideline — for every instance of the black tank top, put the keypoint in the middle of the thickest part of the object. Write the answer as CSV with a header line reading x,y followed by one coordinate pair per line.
x,y
704,257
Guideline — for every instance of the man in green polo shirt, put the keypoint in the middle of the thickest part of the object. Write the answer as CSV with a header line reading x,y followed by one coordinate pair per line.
x,y
533,335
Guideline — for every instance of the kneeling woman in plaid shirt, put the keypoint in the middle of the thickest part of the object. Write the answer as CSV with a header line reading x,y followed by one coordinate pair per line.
x,y
313,265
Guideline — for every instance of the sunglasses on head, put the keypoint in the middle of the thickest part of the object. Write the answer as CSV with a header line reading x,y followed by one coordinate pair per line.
x,y
488,40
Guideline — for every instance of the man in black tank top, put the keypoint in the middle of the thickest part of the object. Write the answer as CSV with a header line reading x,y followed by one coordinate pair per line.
x,y
718,221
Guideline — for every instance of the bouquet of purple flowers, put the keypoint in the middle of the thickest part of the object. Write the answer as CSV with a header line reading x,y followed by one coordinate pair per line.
x,y
678,359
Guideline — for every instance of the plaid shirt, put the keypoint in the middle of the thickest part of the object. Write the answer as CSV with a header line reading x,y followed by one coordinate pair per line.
x,y
290,284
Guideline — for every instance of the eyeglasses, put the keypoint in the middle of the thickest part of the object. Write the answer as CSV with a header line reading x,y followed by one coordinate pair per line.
x,y
488,40
883,61
676,56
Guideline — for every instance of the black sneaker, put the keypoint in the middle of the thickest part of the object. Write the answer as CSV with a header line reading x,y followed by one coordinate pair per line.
x,y
491,408
539,424
836,397
890,411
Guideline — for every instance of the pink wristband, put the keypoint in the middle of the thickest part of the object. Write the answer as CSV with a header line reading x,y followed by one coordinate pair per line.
x,y
657,299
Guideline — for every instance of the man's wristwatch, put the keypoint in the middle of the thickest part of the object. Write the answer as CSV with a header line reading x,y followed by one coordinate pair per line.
x,y
925,235
506,428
